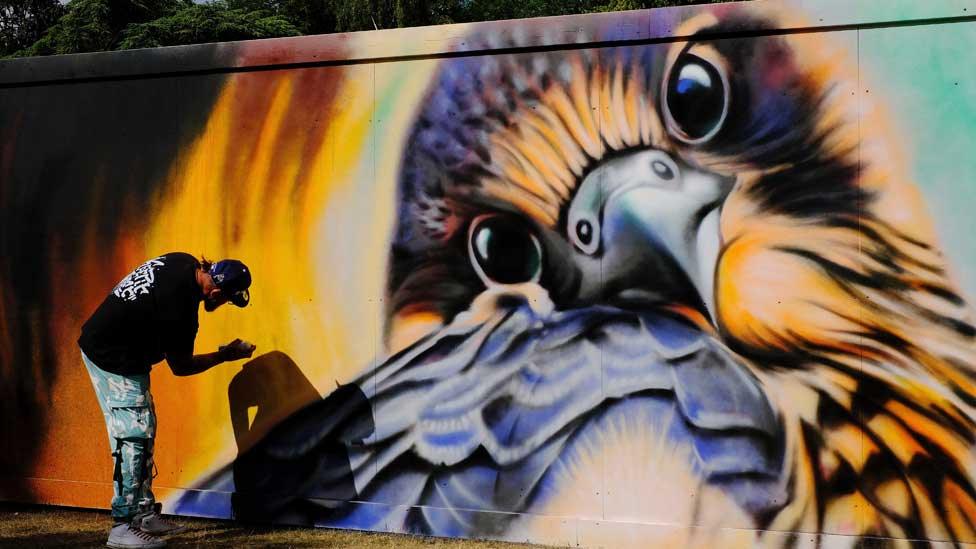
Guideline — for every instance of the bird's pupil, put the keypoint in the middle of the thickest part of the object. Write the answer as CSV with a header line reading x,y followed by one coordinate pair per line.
x,y
584,231
696,98
506,251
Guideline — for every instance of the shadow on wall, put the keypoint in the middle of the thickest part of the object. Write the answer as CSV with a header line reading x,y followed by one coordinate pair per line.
x,y
274,385
272,464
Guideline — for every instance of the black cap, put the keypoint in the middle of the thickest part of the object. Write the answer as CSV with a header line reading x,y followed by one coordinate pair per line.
x,y
233,278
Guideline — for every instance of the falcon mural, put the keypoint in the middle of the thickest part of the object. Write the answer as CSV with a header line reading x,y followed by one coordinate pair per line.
x,y
685,283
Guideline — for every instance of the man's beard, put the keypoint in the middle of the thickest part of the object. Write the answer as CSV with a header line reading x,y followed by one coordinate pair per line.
x,y
210,305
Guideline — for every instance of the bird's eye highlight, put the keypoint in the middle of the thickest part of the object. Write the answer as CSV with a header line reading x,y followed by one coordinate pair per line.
x,y
504,251
696,99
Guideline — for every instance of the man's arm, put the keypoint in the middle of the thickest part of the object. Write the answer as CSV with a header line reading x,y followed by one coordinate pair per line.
x,y
186,364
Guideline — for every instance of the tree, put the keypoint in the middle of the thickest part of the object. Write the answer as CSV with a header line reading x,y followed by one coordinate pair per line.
x,y
97,25
100,25
310,16
200,23
23,22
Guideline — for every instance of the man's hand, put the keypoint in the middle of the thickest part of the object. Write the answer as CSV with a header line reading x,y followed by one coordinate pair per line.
x,y
188,365
236,350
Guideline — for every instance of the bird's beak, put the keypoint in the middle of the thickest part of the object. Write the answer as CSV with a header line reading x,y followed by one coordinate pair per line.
x,y
658,231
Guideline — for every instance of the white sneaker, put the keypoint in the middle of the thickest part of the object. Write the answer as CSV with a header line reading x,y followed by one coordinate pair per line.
x,y
153,523
125,536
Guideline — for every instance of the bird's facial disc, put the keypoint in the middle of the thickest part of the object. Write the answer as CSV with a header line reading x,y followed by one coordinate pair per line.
x,y
646,229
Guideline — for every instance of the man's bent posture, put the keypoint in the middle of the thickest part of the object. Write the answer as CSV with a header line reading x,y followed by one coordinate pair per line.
x,y
151,315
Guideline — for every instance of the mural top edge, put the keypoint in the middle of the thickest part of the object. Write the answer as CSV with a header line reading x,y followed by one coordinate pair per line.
x,y
437,41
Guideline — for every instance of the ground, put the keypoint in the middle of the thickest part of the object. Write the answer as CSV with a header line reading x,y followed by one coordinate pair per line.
x,y
26,526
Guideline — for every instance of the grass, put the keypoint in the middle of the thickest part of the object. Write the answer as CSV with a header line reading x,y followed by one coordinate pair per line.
x,y
26,526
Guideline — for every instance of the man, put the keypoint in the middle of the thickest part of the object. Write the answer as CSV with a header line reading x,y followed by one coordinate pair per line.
x,y
151,315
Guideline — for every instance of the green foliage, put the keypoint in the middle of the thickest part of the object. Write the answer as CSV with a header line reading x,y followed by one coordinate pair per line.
x,y
361,14
98,25
23,22
310,16
200,23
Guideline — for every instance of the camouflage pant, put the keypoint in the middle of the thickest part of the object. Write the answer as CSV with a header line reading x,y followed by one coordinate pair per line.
x,y
131,420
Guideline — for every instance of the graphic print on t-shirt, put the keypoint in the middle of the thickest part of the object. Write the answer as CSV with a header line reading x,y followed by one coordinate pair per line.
x,y
139,281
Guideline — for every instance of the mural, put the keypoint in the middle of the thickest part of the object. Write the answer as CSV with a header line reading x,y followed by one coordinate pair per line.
x,y
684,292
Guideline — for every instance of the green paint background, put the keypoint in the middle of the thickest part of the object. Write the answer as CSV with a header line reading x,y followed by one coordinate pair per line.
x,y
925,75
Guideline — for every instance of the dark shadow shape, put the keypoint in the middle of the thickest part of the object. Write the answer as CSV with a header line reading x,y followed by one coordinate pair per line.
x,y
276,386
299,468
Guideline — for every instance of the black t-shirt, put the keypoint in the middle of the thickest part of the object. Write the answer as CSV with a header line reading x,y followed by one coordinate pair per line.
x,y
152,312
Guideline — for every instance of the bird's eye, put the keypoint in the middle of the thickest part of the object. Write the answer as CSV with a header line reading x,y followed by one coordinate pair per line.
x,y
504,251
696,99
584,232
662,170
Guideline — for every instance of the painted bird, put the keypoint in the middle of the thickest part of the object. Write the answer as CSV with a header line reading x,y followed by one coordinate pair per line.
x,y
683,284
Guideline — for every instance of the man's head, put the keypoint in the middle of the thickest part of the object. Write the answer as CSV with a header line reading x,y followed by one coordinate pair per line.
x,y
226,280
